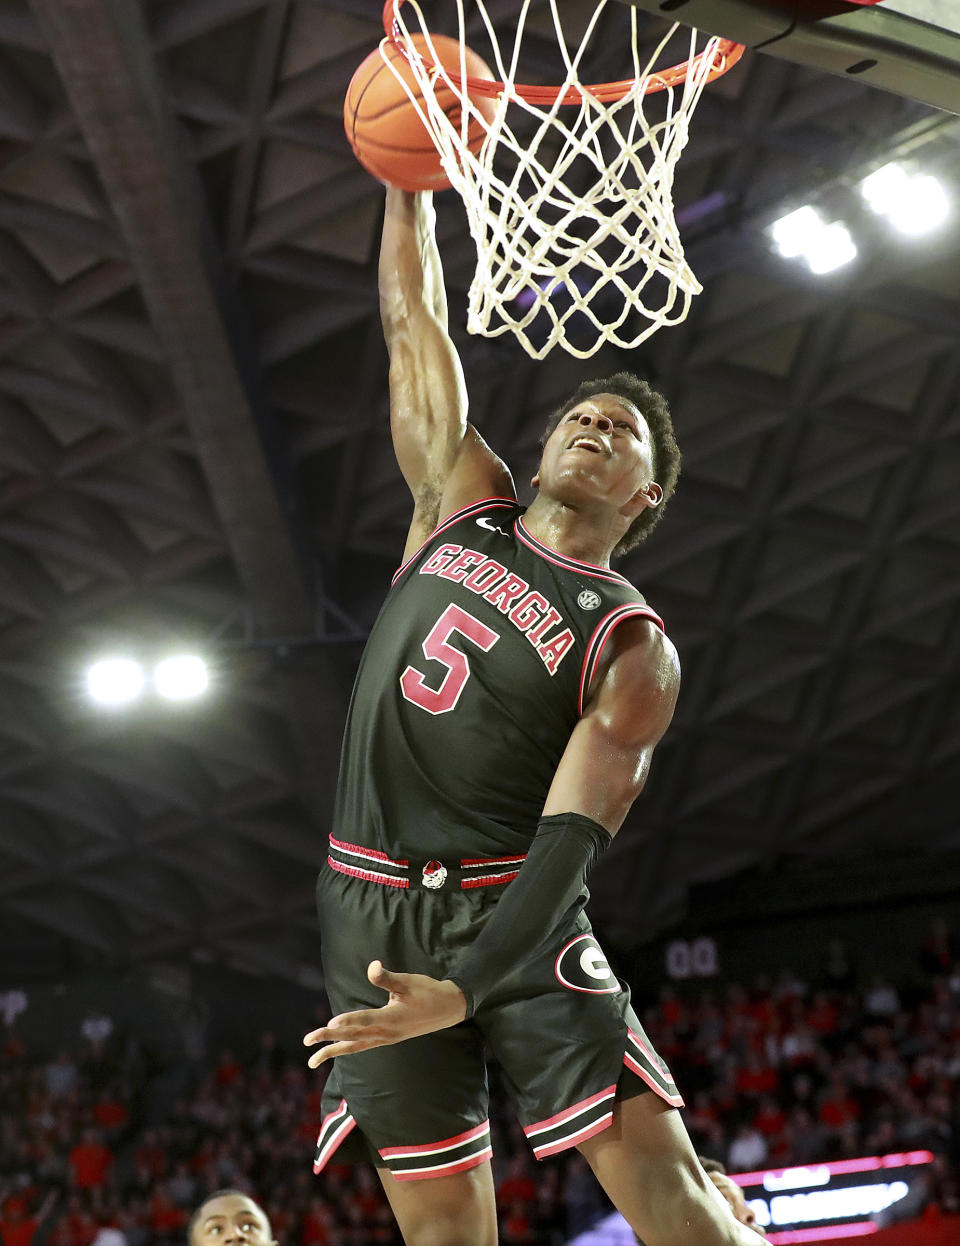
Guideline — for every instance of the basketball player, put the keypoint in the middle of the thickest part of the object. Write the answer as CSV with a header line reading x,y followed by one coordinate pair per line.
x,y
733,1193
503,720
229,1216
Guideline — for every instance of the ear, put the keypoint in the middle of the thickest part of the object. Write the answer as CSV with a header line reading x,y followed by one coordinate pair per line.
x,y
535,481
650,495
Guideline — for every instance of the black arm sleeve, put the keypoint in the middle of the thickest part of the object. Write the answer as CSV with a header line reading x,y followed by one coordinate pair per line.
x,y
564,850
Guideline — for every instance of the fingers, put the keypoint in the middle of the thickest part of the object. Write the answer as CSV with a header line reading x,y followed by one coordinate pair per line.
x,y
346,1034
386,979
346,1025
332,1050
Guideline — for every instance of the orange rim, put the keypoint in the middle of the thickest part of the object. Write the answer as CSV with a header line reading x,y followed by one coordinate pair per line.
x,y
723,58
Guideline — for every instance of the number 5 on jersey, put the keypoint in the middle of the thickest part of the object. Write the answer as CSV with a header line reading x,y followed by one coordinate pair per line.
x,y
437,648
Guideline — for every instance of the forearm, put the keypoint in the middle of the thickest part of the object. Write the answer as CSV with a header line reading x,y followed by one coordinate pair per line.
x,y
410,271
549,884
428,401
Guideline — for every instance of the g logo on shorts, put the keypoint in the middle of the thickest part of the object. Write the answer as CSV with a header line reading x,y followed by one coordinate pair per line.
x,y
582,966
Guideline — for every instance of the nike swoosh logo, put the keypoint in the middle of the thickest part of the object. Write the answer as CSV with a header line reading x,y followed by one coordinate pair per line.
x,y
484,522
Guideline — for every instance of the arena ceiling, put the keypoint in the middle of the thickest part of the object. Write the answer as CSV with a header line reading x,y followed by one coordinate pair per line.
x,y
193,450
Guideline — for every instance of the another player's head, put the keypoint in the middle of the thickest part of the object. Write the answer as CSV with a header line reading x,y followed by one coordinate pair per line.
x,y
229,1216
652,445
732,1193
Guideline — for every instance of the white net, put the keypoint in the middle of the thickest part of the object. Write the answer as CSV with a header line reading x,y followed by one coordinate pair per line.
x,y
570,204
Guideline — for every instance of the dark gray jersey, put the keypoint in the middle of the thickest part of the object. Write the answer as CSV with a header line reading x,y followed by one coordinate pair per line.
x,y
472,680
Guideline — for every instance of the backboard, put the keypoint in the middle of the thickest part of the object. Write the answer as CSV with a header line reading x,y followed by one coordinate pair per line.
x,y
909,47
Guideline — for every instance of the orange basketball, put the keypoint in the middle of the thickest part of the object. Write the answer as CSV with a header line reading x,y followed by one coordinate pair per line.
x,y
385,132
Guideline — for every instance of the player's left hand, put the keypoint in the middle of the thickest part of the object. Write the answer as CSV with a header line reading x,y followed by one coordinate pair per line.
x,y
417,1004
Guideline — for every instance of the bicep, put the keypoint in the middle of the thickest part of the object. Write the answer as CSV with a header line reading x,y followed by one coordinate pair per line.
x,y
607,759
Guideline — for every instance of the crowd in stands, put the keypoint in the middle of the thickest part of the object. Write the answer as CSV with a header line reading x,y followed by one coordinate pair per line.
x,y
777,1074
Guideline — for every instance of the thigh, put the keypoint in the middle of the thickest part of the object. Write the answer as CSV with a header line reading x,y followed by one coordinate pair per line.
x,y
420,1107
458,1210
649,1170
569,1043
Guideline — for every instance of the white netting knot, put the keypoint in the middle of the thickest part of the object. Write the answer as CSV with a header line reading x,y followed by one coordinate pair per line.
x,y
570,205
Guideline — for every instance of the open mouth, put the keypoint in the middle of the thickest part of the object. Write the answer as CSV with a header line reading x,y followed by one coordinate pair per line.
x,y
586,443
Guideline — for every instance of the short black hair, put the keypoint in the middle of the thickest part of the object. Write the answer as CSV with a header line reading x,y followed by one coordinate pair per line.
x,y
228,1192
666,453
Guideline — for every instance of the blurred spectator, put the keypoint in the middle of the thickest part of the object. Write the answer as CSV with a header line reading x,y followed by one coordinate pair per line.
x,y
90,1162
732,1193
582,1196
229,1215
748,1150
881,999
17,1226
774,1075
838,972
61,1075
938,953
518,1185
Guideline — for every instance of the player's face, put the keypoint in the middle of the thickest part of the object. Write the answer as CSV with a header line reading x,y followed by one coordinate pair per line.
x,y
232,1218
601,448
738,1203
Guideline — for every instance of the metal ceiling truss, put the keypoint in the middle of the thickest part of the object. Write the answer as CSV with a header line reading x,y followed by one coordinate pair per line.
x,y
194,449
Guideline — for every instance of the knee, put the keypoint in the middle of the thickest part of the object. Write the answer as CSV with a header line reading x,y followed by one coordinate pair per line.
x,y
452,1229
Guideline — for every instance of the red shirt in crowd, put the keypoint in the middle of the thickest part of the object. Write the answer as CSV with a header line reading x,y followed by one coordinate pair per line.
x,y
17,1229
110,1114
90,1163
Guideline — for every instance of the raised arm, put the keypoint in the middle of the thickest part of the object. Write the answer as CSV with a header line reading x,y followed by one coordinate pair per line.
x,y
444,460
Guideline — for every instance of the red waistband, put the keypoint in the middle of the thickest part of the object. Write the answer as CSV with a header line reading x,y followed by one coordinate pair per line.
x,y
431,874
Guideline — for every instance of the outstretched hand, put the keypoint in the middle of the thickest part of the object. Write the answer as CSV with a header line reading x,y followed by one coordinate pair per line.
x,y
417,1004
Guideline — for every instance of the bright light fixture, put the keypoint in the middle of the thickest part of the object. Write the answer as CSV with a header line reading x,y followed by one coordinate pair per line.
x,y
794,232
832,248
927,208
914,203
115,681
885,187
181,677
805,233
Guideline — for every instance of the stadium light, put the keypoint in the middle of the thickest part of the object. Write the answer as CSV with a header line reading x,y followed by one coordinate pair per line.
x,y
914,203
794,232
115,681
832,248
181,677
805,233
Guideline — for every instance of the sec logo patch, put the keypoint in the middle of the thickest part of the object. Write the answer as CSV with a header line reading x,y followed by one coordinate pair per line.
x,y
582,966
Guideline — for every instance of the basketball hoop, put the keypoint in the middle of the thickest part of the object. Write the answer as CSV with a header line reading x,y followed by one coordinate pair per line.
x,y
573,220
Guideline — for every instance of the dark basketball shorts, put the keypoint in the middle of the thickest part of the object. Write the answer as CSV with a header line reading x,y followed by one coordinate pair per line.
x,y
561,1027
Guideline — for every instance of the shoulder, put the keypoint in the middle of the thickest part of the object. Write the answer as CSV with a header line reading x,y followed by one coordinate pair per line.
x,y
641,653
635,691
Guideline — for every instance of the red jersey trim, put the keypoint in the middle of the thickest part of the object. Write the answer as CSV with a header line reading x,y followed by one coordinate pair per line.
x,y
562,560
368,876
463,513
675,1101
579,1135
601,635
444,1170
552,1122
373,854
335,1133
487,880
431,1148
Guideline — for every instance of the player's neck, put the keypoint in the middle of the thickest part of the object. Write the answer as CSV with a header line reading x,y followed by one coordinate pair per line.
x,y
585,535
